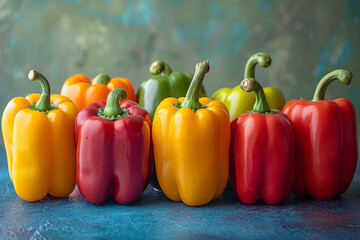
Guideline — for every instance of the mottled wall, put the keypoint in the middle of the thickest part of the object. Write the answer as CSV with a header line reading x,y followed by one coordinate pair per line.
x,y
306,39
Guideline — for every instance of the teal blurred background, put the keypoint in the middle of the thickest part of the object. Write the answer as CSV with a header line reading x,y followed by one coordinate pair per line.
x,y
306,39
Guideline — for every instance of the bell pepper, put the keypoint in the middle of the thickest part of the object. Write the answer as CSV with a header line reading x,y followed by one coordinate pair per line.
x,y
238,101
326,141
163,84
38,133
113,143
262,151
191,140
83,91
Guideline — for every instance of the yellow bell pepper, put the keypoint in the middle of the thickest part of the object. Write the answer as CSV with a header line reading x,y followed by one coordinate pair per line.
x,y
191,139
238,101
38,133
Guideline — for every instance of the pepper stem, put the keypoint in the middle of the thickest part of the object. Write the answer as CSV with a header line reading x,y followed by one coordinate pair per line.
x,y
160,68
262,59
43,104
193,93
112,109
341,74
101,78
251,85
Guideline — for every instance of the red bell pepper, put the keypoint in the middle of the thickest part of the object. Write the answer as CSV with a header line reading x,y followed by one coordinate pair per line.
x,y
262,151
326,141
113,144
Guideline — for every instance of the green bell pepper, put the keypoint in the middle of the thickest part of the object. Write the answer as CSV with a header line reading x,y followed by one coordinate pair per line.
x,y
238,101
163,84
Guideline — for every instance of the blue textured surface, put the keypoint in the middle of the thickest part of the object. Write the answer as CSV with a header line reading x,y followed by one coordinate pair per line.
x,y
153,216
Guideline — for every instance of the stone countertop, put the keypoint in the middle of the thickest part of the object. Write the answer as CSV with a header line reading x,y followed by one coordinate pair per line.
x,y
153,216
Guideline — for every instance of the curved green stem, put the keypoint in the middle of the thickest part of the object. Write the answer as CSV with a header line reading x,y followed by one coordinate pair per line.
x,y
43,105
101,78
160,68
260,106
341,74
112,109
262,59
193,93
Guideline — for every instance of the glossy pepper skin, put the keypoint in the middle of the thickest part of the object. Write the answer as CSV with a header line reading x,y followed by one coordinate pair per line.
x,y
262,152
191,145
83,91
326,141
163,84
238,101
38,133
113,143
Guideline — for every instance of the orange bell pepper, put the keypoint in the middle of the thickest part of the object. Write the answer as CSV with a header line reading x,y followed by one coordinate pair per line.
x,y
83,91
191,139
38,133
